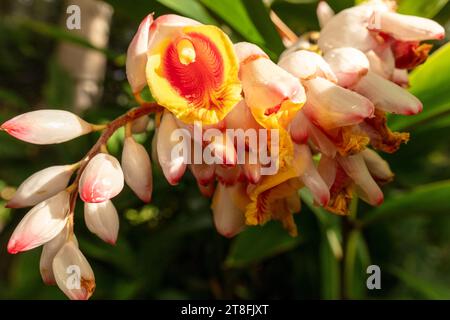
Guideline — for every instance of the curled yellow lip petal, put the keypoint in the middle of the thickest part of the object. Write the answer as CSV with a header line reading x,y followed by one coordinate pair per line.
x,y
194,74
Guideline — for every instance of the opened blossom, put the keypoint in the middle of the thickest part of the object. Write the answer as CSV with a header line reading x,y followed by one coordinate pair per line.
x,y
191,69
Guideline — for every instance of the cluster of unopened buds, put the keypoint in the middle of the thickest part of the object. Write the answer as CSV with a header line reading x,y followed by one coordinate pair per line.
x,y
259,131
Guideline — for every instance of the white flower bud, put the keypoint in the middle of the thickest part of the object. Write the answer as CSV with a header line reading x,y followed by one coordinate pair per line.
x,y
102,179
41,185
73,274
47,126
137,169
103,220
49,251
41,224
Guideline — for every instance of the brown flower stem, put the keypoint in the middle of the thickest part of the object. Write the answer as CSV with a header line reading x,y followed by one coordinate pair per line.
x,y
287,35
144,109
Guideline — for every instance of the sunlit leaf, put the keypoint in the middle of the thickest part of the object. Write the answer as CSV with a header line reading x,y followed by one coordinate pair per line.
x,y
428,8
431,84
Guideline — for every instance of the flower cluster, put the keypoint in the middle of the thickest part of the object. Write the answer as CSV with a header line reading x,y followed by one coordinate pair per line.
x,y
327,103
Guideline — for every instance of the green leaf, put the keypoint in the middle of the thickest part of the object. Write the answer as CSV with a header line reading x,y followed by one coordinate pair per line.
x,y
428,8
191,9
259,243
424,200
431,84
330,249
237,16
357,260
261,19
425,288
329,270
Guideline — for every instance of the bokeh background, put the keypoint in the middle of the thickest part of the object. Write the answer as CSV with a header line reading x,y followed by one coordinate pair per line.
x,y
169,249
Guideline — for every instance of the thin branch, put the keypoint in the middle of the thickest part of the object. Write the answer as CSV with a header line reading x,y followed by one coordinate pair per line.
x,y
287,35
145,109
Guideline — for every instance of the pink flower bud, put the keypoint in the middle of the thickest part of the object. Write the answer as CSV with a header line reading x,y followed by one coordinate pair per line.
x,y
203,173
381,62
46,126
228,219
401,77
349,65
41,185
355,167
388,96
137,55
49,251
306,65
101,180
41,224
332,106
252,167
309,175
172,163
137,169
73,274
378,167
102,219
406,28
299,128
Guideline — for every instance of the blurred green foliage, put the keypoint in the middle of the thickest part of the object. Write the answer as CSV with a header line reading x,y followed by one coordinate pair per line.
x,y
169,249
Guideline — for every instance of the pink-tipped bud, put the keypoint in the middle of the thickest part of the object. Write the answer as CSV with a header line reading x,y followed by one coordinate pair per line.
x,y
203,173
41,185
137,55
349,65
73,274
102,219
299,128
406,28
306,65
101,180
41,224
228,219
355,167
332,106
388,96
252,167
49,251
378,167
170,149
137,169
309,175
47,126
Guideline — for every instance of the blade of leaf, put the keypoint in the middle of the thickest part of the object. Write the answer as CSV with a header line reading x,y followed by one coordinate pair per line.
x,y
330,249
427,289
191,9
427,199
427,9
235,14
259,243
261,19
431,84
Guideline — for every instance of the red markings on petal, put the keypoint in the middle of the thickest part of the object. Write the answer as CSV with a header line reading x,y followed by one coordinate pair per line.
x,y
200,80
